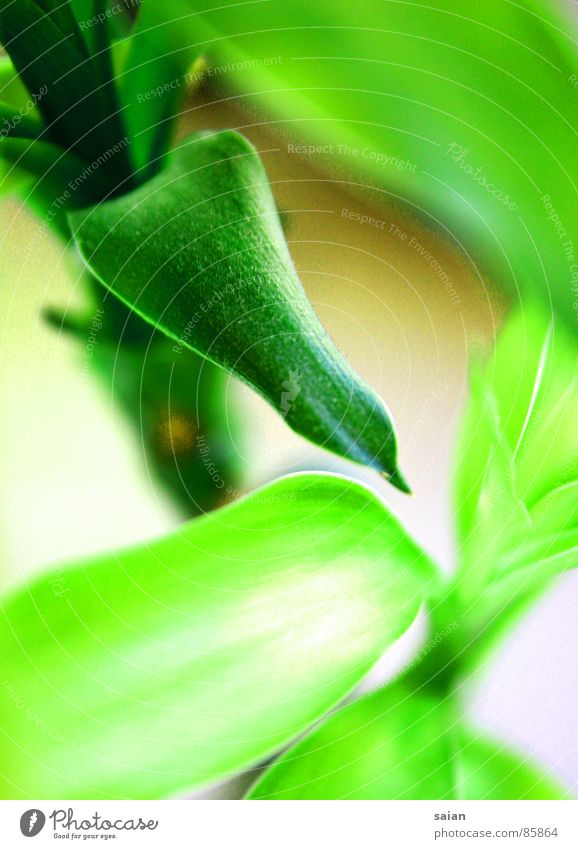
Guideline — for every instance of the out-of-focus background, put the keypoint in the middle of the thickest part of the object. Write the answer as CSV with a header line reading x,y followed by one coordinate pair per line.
x,y
409,310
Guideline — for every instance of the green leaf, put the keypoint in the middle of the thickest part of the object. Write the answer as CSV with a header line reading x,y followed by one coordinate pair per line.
x,y
53,168
199,252
18,124
189,439
468,114
515,477
62,15
12,91
399,744
79,108
514,483
154,670
489,770
154,79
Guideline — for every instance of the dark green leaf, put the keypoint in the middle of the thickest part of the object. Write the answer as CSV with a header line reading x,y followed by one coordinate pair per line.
x,y
398,744
154,670
199,252
54,171
79,106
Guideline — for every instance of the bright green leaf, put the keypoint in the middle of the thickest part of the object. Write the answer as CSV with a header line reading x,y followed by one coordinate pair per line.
x,y
515,479
17,124
557,509
199,252
154,670
12,91
489,770
466,112
399,744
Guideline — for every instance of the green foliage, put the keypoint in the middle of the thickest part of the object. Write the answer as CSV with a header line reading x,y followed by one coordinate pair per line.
x,y
467,114
199,252
190,440
79,107
399,744
154,670
154,77
517,470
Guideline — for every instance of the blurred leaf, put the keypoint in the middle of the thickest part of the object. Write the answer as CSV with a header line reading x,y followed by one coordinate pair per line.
x,y
191,440
489,770
399,744
469,114
62,16
18,124
199,252
12,90
154,83
168,666
517,462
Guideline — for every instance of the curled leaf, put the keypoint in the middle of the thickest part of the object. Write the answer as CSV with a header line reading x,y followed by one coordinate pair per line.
x,y
198,251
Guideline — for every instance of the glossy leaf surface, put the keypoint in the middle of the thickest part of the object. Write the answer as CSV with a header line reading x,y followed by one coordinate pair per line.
x,y
168,666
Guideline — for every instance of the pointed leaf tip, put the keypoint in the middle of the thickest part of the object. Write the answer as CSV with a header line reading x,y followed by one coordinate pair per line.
x,y
198,251
397,480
